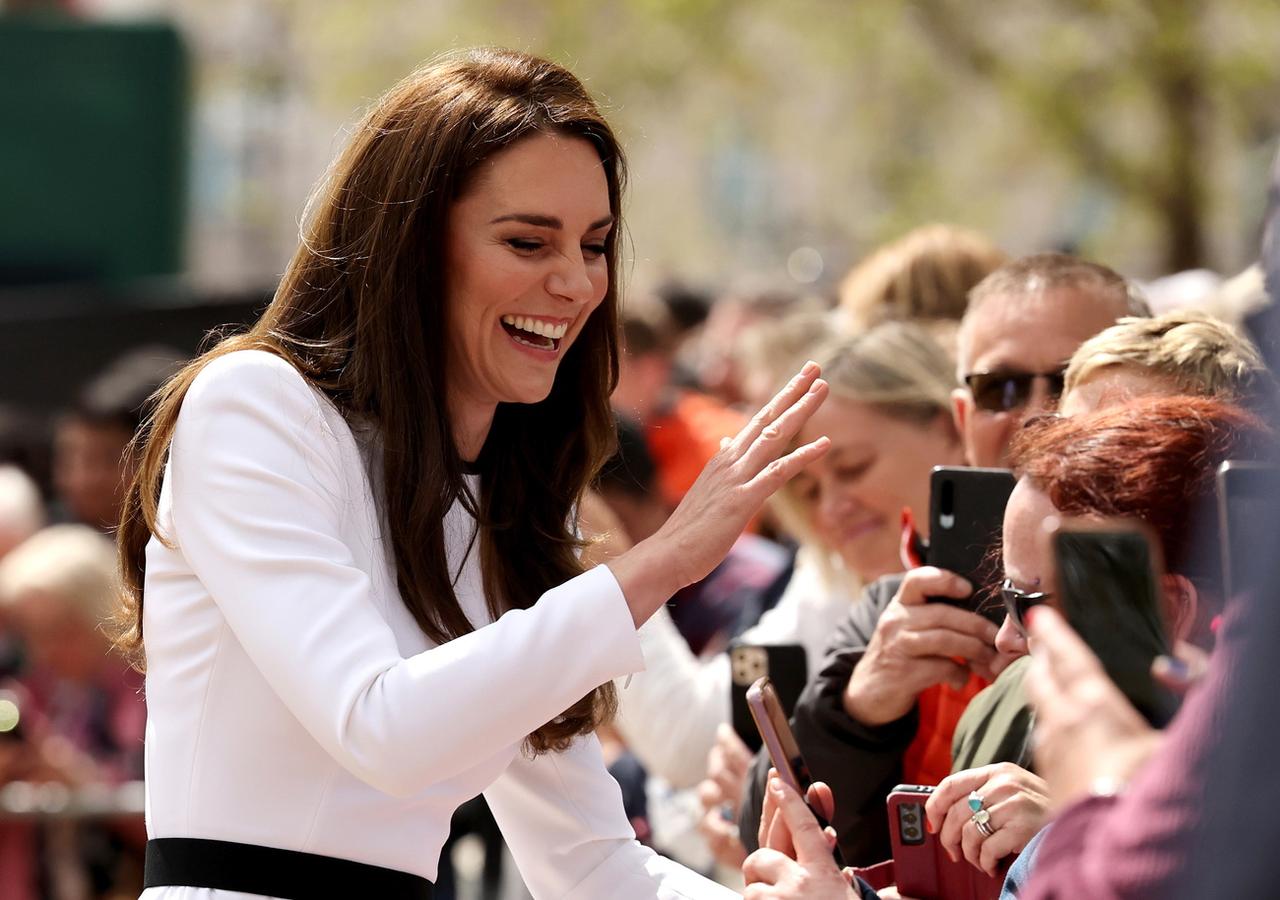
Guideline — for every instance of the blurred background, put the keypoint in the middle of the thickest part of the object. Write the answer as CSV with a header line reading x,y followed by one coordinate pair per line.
x,y
156,157
159,154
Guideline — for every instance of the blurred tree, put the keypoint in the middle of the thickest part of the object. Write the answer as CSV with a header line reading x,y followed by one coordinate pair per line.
x,y
1127,129
1192,71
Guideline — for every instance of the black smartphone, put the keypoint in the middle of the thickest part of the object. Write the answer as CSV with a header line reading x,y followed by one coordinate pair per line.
x,y
966,515
783,664
1108,588
1247,502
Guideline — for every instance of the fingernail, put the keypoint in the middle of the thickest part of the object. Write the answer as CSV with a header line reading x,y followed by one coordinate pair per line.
x,y
1175,667
817,386
928,825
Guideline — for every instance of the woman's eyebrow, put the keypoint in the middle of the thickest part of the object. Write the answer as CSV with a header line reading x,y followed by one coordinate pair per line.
x,y
541,221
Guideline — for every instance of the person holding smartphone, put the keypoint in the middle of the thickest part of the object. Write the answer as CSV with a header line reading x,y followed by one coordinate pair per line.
x,y
1153,460
353,526
858,721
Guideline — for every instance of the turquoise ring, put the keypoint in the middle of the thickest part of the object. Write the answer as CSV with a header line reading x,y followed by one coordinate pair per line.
x,y
976,802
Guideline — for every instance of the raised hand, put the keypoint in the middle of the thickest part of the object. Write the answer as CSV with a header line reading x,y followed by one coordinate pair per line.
x,y
730,490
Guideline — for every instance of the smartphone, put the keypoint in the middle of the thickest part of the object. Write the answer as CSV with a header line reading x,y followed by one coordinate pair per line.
x,y
775,730
1247,498
1108,588
921,867
784,665
966,515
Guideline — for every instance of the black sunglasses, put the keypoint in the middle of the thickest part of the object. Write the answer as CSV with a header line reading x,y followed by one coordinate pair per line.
x,y
1017,602
1007,391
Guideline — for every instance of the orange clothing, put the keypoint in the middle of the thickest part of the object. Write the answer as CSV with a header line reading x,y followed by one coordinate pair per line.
x,y
928,759
684,438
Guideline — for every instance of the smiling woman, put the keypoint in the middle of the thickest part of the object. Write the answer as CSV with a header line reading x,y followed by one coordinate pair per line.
x,y
354,525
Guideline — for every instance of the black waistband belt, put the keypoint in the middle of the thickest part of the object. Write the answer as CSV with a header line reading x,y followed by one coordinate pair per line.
x,y
289,874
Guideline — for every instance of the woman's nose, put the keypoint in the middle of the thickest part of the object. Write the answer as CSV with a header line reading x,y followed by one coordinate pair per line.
x,y
1009,639
571,280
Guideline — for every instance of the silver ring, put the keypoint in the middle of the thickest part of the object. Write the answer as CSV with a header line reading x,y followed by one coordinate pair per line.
x,y
985,828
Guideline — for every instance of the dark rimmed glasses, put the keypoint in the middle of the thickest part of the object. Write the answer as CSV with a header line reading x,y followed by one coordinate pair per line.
x,y
1009,390
1017,602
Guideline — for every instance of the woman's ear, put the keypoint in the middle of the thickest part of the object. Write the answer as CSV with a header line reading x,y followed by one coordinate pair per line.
x,y
1181,600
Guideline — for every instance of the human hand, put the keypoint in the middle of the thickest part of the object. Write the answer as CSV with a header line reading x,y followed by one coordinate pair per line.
x,y
720,793
1183,669
731,489
1086,730
794,861
1016,800
773,828
727,766
719,831
916,645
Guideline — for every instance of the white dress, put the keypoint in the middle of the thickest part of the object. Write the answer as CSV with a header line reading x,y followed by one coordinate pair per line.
x,y
293,702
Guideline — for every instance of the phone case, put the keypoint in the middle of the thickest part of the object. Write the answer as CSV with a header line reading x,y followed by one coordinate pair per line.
x,y
922,868
1108,588
966,514
783,664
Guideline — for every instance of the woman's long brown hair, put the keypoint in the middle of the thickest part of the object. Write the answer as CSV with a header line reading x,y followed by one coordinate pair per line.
x,y
361,312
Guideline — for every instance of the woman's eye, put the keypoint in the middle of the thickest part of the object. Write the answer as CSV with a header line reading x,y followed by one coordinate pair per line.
x,y
853,473
594,250
524,245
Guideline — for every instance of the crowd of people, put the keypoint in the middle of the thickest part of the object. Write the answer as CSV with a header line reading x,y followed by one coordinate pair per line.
x,y
937,350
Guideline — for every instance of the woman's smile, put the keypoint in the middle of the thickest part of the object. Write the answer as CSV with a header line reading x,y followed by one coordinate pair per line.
x,y
541,335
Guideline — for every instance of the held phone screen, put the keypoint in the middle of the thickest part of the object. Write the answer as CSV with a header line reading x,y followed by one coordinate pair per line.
x,y
1109,591
1248,493
966,512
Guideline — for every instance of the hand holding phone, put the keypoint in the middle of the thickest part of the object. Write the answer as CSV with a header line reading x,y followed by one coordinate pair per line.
x,y
784,752
922,868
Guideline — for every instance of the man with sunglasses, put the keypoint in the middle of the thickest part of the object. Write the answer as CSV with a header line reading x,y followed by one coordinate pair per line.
x,y
857,719
1024,322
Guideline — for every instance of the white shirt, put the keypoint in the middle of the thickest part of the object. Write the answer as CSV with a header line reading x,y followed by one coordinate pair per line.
x,y
293,702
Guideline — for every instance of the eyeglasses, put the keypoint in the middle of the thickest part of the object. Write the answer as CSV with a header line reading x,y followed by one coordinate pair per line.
x,y
1017,602
1007,391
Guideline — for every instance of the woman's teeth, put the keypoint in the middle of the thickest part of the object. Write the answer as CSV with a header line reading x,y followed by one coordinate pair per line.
x,y
535,326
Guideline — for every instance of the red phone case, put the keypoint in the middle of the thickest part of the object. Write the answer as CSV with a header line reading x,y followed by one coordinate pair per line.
x,y
922,868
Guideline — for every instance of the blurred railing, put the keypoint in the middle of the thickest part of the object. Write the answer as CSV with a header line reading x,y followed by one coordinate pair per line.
x,y
28,801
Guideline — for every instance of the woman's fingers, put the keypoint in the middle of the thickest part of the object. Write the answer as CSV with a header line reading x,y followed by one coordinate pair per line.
x,y
768,811
954,789
776,437
795,389
820,798
781,470
806,835
766,866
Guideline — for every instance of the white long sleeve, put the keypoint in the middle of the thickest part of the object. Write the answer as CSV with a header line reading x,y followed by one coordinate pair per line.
x,y
561,814
293,701
258,503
